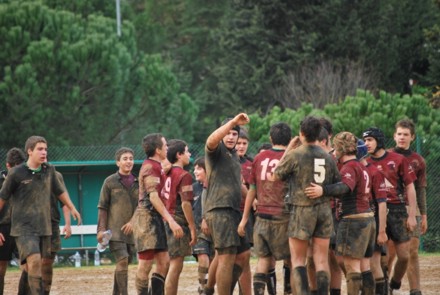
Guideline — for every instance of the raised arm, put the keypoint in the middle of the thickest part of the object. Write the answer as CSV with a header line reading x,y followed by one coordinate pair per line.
x,y
214,139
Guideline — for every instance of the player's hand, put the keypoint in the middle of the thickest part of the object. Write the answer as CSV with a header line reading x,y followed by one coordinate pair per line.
x,y
127,228
242,228
254,204
176,229
192,230
313,191
76,216
424,224
241,119
411,223
99,236
2,239
294,143
205,228
382,238
67,231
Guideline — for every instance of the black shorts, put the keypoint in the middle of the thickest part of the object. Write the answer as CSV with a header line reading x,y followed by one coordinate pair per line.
x,y
149,230
9,245
397,217
356,237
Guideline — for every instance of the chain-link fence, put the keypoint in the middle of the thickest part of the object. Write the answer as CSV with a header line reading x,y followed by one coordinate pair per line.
x,y
431,152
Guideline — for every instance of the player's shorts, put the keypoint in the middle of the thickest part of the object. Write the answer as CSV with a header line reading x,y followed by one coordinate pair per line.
x,y
417,232
270,237
28,245
55,239
356,237
178,247
311,221
223,224
203,247
149,230
397,217
122,250
9,245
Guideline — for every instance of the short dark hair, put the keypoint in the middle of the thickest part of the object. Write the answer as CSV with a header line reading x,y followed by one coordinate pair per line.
x,y
323,135
264,146
15,156
310,127
122,151
408,124
243,133
151,142
200,162
175,147
327,125
32,141
280,134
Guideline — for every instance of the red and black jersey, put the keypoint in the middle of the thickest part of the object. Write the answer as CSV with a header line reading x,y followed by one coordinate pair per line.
x,y
151,179
357,178
178,188
397,173
270,193
418,165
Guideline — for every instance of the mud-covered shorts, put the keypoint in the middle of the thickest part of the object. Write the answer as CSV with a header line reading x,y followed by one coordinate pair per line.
x,y
178,247
28,245
121,250
270,237
149,230
397,217
203,246
356,237
223,225
9,245
334,231
311,221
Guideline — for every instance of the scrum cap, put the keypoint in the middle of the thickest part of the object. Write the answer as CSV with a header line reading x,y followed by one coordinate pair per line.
x,y
362,150
377,134
236,127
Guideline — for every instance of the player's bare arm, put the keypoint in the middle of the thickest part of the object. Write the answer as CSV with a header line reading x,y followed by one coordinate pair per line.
x,y
293,144
214,139
382,235
65,199
187,211
250,197
102,223
411,193
2,204
159,206
2,239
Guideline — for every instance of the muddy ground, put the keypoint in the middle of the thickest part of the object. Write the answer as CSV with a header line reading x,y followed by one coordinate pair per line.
x,y
99,279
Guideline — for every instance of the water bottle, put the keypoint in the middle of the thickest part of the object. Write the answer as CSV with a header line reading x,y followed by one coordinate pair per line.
x,y
77,258
97,260
105,240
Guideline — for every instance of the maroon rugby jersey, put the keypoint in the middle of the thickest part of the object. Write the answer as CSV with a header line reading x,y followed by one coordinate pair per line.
x,y
270,194
397,173
357,178
177,188
151,179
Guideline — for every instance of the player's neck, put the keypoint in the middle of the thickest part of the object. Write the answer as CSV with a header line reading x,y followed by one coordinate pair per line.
x,y
279,147
33,165
379,153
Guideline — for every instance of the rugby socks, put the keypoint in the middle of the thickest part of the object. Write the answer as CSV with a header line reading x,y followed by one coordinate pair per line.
x,y
121,278
157,284
260,280
203,277
35,284
368,283
335,291
115,285
415,292
23,285
323,282
354,283
380,286
286,272
236,272
272,282
300,281
141,286
208,291
2,284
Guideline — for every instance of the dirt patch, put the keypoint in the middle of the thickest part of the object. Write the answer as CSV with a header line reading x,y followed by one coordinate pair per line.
x,y
99,279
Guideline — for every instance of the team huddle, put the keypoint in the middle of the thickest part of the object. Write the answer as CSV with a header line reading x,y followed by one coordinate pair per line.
x,y
327,206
